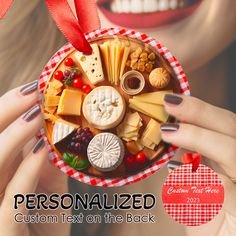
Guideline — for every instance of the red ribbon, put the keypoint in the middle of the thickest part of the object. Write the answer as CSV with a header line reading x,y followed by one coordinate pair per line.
x,y
192,158
65,20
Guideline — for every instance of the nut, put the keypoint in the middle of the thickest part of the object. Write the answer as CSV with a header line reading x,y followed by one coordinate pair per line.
x,y
152,56
134,66
159,78
148,67
141,66
136,53
144,56
133,61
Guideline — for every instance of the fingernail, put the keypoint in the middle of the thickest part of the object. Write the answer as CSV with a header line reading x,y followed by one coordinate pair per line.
x,y
29,88
169,127
39,145
32,113
173,99
173,164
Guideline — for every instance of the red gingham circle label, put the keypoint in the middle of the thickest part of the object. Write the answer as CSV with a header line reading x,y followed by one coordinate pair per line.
x,y
108,182
193,198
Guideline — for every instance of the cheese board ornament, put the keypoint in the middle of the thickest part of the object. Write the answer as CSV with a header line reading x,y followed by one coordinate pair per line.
x,y
193,193
103,110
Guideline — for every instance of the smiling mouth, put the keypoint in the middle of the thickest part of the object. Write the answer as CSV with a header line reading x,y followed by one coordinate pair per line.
x,y
147,13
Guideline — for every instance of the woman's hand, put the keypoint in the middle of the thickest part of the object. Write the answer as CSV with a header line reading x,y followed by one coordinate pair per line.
x,y
211,131
24,166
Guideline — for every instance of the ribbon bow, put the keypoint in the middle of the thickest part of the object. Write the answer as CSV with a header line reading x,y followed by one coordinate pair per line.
x,y
66,21
192,158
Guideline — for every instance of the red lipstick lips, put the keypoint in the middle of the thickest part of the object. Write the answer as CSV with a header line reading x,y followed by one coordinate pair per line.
x,y
146,20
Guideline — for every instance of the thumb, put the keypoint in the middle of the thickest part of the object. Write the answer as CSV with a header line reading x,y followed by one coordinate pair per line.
x,y
25,179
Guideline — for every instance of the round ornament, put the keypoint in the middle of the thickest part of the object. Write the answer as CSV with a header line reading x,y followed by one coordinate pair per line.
x,y
192,197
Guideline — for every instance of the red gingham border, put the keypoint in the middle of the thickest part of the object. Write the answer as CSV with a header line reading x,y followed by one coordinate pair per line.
x,y
95,181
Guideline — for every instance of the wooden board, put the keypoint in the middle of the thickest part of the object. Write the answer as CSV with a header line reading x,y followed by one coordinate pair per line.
x,y
121,171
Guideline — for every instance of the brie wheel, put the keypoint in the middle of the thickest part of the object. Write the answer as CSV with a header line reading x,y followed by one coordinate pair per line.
x,y
104,107
105,152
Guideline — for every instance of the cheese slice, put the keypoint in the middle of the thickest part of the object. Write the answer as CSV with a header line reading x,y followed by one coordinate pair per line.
x,y
51,100
55,84
70,103
61,130
91,64
115,55
124,60
118,62
133,119
154,97
126,129
54,87
151,136
129,129
147,143
154,133
50,110
152,110
113,59
105,49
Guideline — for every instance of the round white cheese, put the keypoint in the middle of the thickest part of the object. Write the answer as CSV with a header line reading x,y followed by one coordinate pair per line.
x,y
104,107
105,152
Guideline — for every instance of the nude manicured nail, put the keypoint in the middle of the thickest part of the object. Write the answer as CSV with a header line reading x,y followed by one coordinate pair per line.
x,y
32,113
169,127
29,88
173,164
39,145
173,99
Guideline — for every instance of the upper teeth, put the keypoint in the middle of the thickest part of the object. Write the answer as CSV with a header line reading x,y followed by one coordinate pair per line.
x,y
139,6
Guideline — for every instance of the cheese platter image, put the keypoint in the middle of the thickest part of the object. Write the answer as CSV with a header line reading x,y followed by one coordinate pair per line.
x,y
103,111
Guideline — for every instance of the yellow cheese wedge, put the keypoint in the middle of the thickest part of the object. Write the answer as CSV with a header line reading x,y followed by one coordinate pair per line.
x,y
153,132
51,100
152,110
147,143
70,103
50,110
153,98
